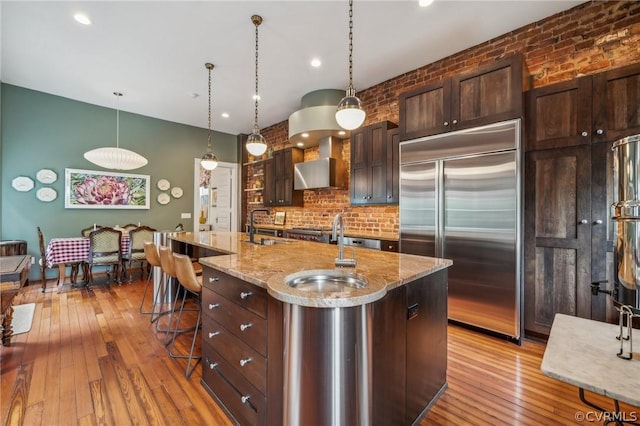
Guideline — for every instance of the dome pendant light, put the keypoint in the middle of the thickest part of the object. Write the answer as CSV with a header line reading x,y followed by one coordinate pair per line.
x,y
350,115
116,158
209,160
256,145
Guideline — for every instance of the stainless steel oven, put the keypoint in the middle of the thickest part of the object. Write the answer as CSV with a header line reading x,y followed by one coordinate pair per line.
x,y
320,235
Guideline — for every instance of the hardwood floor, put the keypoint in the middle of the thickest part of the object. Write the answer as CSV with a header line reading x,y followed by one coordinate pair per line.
x,y
91,359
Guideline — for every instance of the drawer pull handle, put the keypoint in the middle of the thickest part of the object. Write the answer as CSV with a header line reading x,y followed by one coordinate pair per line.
x,y
245,294
245,361
212,365
243,327
213,305
214,279
213,334
245,398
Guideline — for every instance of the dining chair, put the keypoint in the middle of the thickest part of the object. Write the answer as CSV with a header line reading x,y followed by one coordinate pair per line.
x,y
104,250
43,263
192,284
86,231
130,226
138,236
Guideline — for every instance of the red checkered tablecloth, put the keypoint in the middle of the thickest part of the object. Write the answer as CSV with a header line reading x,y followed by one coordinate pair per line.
x,y
74,249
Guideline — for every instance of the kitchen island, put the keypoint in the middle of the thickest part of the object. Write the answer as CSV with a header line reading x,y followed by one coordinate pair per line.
x,y
244,323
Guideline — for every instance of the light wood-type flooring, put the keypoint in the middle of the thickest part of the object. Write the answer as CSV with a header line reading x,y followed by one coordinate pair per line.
x,y
91,359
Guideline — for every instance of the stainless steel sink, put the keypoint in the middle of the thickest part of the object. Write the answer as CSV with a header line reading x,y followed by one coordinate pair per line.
x,y
326,280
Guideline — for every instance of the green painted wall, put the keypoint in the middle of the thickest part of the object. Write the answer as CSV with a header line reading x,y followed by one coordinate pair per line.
x,y
44,131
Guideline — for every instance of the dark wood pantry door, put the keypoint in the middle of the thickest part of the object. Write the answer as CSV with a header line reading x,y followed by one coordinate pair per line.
x,y
557,236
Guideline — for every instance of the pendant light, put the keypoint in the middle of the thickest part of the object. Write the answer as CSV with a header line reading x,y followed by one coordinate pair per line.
x,y
256,145
209,160
350,115
116,158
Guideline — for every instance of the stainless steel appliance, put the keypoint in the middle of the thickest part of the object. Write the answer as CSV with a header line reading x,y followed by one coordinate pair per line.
x,y
626,217
320,235
460,198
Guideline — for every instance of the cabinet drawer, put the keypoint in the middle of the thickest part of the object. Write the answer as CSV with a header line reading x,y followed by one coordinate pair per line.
x,y
247,326
244,359
243,400
247,295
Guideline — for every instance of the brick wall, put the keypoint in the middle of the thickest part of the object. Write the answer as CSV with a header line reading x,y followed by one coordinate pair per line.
x,y
589,38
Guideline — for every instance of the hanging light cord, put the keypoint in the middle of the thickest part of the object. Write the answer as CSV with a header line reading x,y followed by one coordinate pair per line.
x,y
118,94
256,129
350,45
209,67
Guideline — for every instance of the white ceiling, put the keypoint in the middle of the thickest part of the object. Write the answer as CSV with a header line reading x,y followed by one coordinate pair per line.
x,y
154,51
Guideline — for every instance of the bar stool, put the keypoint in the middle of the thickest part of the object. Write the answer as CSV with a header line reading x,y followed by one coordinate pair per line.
x,y
153,259
168,267
192,284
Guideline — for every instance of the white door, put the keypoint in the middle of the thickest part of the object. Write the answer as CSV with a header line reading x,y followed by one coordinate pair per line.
x,y
221,197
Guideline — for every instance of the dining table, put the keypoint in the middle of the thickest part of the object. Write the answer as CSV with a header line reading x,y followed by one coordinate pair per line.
x,y
63,251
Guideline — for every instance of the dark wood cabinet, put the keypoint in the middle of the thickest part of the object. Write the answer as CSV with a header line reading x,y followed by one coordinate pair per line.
x,y
370,146
279,178
393,166
559,115
240,362
571,127
616,103
591,109
488,94
568,234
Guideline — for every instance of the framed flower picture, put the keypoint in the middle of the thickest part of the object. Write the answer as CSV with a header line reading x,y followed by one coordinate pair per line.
x,y
86,189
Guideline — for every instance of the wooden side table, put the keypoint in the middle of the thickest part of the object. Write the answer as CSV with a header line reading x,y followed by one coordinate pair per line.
x,y
14,271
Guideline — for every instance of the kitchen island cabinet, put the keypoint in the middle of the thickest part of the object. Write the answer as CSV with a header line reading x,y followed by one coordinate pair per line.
x,y
243,325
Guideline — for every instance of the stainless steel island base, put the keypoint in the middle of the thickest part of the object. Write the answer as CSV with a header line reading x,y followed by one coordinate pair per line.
x,y
328,362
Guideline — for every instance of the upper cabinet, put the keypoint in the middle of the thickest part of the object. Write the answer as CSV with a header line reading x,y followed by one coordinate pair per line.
x,y
596,108
279,178
371,168
488,94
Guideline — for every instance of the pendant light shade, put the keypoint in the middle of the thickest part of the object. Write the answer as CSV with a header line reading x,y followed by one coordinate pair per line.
x,y
256,145
116,158
209,160
350,115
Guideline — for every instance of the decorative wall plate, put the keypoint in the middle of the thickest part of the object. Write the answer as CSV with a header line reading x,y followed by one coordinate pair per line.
x,y
176,191
163,198
46,176
22,184
163,184
46,194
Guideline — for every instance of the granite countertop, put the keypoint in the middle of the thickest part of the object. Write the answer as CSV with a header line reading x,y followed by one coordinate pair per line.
x,y
266,266
582,352
376,235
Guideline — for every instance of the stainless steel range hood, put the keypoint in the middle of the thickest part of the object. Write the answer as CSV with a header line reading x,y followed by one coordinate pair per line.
x,y
314,124
326,172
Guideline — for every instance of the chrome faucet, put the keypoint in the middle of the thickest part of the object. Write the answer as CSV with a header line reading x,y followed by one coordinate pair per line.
x,y
340,260
252,229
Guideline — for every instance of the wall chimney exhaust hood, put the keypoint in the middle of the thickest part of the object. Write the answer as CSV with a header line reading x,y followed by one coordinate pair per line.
x,y
316,119
314,124
328,171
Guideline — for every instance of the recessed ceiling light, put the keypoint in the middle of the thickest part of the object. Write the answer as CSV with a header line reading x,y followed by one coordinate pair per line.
x,y
300,144
424,3
82,18
225,115
304,135
342,133
315,62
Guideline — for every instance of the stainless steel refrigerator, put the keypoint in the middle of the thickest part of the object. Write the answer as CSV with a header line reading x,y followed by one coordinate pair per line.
x,y
460,198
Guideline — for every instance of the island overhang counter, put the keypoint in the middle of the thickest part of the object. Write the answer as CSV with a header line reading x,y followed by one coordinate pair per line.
x,y
246,305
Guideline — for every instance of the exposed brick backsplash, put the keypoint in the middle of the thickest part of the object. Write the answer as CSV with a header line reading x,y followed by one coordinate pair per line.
x,y
589,38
